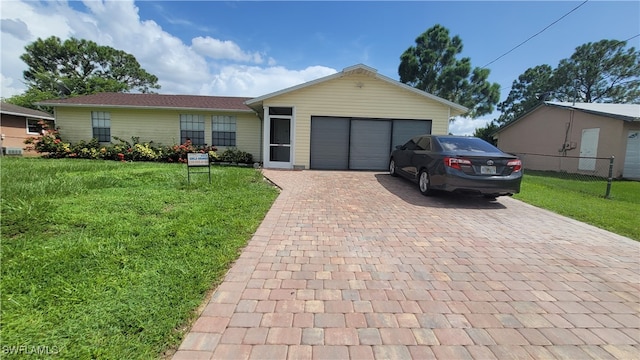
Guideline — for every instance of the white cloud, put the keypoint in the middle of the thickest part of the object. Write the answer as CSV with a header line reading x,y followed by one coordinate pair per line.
x,y
207,66
33,20
223,50
238,80
466,126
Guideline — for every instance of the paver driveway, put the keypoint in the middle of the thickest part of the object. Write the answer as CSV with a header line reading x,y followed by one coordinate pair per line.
x,y
359,265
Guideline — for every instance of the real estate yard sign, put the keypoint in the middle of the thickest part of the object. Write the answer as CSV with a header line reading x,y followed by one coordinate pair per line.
x,y
198,160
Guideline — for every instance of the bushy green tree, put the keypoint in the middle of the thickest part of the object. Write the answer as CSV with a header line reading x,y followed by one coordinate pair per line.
x,y
432,65
531,88
486,132
79,67
605,72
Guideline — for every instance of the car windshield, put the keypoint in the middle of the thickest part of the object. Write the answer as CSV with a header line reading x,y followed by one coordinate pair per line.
x,y
467,144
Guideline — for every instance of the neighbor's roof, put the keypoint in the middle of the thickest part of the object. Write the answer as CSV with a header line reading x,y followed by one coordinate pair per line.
x,y
10,109
361,69
627,112
178,102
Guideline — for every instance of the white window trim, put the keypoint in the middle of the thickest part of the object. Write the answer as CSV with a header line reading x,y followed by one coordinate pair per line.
x,y
35,133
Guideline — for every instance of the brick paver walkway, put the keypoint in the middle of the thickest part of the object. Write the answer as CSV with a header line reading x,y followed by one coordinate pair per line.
x,y
359,265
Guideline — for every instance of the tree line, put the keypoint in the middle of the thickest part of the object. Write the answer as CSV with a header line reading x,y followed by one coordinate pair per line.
x,y
606,71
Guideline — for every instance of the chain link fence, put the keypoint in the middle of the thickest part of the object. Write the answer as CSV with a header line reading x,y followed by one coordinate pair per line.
x,y
594,173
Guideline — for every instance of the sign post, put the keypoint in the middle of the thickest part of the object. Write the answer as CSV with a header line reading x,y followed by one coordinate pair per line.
x,y
196,160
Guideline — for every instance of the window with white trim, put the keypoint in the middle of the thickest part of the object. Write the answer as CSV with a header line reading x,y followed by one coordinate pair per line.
x,y
223,130
192,128
34,126
101,124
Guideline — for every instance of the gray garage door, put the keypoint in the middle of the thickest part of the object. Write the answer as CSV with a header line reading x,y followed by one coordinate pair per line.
x,y
329,143
403,130
370,144
340,143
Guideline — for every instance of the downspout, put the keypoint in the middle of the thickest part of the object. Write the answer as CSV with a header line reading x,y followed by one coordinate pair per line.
x,y
566,144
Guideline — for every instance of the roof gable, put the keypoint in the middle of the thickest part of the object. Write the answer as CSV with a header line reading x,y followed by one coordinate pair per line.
x,y
128,100
457,109
11,109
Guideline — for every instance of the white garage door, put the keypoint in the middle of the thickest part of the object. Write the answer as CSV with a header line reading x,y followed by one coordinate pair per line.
x,y
632,157
339,143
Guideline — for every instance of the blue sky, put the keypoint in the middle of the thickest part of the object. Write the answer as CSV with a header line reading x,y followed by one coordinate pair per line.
x,y
253,48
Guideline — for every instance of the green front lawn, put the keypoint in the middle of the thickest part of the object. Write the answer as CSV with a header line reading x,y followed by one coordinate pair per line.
x,y
584,200
104,259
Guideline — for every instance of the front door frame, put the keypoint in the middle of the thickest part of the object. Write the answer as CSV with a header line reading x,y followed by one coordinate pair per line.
x,y
267,138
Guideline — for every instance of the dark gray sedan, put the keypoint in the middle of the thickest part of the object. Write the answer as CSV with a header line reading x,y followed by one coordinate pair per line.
x,y
457,164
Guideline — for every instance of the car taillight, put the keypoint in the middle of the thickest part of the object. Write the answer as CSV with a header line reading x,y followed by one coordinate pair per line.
x,y
517,165
456,163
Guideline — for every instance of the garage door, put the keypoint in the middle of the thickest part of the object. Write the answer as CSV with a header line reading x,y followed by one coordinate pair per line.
x,y
340,143
403,130
632,158
370,144
329,143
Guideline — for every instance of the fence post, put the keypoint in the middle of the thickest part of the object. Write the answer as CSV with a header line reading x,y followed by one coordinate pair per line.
x,y
610,179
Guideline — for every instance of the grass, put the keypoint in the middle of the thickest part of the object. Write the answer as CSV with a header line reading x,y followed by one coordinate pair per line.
x,y
109,260
584,200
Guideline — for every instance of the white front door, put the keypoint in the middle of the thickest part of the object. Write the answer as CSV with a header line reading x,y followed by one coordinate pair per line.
x,y
278,137
588,149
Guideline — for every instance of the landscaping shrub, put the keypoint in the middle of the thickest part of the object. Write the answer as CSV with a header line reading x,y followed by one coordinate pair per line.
x,y
234,155
50,145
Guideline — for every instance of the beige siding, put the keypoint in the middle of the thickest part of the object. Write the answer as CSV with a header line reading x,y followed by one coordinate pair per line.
x,y
74,124
543,132
356,95
248,135
160,126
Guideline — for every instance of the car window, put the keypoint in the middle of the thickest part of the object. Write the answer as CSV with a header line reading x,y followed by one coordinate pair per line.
x,y
410,145
467,144
424,143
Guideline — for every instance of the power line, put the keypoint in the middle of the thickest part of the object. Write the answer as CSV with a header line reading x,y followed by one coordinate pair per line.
x,y
536,34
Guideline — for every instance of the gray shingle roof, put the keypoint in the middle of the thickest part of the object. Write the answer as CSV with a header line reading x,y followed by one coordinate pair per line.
x,y
127,100
628,112
11,109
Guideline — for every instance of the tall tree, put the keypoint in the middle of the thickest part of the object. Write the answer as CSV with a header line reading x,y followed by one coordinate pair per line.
x,y
432,66
532,88
603,72
79,67
600,72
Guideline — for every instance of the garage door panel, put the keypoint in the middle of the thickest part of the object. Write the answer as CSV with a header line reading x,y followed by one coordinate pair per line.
x,y
329,143
403,130
370,144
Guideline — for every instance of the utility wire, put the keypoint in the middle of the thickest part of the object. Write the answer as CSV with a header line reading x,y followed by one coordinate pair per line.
x,y
536,34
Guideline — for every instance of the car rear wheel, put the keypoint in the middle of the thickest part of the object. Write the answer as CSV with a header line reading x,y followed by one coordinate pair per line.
x,y
424,183
392,168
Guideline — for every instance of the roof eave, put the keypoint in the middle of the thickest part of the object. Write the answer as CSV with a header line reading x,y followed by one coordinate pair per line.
x,y
507,125
110,106
28,115
594,112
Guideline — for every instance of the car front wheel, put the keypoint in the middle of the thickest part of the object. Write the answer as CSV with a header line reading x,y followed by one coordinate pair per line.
x,y
392,168
424,182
